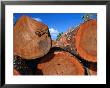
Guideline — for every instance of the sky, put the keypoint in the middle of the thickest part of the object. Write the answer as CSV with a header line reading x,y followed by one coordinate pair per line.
x,y
56,22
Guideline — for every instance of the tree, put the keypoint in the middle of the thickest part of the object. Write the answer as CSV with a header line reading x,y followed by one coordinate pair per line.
x,y
59,35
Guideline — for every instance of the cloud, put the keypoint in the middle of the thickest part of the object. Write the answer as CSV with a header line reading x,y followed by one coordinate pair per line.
x,y
53,33
37,19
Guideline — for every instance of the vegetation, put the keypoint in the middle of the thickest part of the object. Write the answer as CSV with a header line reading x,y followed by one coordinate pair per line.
x,y
59,35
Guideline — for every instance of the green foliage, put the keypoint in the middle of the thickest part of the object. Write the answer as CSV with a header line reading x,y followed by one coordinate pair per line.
x,y
59,35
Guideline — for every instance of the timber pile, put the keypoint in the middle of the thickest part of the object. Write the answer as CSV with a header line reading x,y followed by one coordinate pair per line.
x,y
34,53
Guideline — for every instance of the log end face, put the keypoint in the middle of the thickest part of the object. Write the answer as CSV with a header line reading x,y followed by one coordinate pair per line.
x,y
86,43
31,38
63,62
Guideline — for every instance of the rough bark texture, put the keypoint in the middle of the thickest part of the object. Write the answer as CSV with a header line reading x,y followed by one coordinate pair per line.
x,y
60,63
81,41
31,38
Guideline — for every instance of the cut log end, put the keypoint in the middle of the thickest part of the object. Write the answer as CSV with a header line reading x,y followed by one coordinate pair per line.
x,y
60,63
31,38
86,40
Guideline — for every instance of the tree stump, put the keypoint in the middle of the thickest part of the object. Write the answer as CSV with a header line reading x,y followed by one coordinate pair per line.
x,y
31,38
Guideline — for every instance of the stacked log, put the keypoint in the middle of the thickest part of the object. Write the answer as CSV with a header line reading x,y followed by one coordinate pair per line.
x,y
81,41
60,63
31,38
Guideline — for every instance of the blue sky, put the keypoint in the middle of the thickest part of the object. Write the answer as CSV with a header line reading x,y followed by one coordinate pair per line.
x,y
57,22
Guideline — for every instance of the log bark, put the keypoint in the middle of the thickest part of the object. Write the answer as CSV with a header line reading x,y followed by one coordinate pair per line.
x,y
60,63
81,41
31,38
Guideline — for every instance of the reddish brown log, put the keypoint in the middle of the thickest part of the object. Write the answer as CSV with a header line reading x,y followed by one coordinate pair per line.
x,y
31,38
81,41
60,63
15,72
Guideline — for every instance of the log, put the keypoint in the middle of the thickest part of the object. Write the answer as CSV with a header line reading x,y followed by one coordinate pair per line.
x,y
15,72
31,38
81,41
60,63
